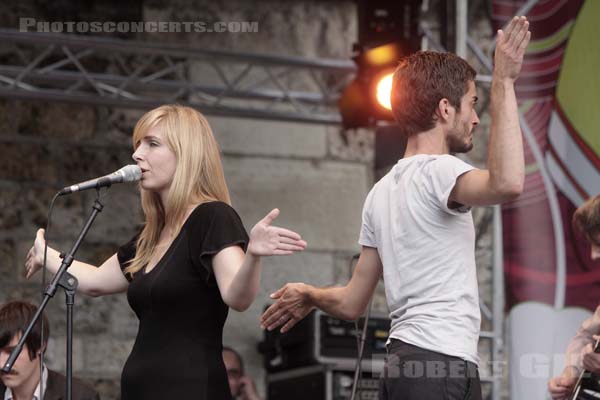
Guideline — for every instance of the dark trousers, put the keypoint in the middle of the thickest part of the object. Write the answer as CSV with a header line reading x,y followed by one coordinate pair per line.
x,y
413,373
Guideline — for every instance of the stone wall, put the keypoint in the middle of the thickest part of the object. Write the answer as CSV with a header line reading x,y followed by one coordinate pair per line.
x,y
317,178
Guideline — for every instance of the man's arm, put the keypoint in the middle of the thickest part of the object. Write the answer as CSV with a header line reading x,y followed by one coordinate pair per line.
x,y
503,180
296,300
591,359
580,353
578,349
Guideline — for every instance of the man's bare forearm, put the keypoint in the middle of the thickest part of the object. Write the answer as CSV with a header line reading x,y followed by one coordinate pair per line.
x,y
505,153
583,337
334,301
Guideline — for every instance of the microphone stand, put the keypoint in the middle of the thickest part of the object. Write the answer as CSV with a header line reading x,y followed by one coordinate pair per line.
x,y
69,283
360,339
361,349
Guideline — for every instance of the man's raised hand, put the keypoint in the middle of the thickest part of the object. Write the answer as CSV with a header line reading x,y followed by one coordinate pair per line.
x,y
510,49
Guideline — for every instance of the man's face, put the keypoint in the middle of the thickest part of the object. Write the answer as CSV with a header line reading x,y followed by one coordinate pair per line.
x,y
460,136
234,372
24,369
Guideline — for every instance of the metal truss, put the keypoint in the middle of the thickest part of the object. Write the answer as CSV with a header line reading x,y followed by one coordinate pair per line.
x,y
134,74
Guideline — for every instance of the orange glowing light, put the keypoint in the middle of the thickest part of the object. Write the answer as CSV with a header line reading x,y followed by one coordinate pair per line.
x,y
384,91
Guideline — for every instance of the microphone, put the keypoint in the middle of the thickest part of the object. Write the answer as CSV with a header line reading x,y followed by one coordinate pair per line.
x,y
129,173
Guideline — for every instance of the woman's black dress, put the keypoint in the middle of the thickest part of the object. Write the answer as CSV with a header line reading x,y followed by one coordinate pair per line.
x,y
178,349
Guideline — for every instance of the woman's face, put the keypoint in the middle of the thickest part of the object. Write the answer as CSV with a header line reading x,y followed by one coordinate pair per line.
x,y
157,161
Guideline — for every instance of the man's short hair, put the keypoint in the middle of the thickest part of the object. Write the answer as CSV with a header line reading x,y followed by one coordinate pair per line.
x,y
420,81
238,356
14,318
587,218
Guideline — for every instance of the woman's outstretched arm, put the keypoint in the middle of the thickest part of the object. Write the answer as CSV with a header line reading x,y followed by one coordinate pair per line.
x,y
93,281
238,274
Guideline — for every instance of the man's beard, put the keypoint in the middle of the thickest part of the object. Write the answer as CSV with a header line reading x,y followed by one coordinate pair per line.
x,y
456,142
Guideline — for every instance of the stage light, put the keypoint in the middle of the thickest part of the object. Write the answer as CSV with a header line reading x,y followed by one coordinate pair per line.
x,y
384,91
366,99
387,31
382,56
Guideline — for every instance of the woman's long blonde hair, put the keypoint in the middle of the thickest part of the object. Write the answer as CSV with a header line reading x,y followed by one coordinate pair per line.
x,y
198,175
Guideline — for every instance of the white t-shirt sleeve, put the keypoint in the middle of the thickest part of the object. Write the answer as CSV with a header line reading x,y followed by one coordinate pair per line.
x,y
444,171
367,230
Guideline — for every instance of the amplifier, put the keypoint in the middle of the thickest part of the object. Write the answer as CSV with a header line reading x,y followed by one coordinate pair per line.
x,y
320,382
322,339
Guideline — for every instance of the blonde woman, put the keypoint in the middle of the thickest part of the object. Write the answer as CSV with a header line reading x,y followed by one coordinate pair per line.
x,y
190,262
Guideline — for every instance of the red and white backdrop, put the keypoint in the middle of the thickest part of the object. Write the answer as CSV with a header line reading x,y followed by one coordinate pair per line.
x,y
551,283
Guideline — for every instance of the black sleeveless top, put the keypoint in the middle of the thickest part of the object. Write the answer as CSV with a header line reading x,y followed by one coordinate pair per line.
x,y
178,349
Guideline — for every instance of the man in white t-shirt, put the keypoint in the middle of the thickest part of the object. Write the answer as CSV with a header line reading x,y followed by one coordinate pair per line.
x,y
417,230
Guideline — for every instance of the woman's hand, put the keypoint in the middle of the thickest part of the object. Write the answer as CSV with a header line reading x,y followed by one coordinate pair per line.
x,y
267,240
35,256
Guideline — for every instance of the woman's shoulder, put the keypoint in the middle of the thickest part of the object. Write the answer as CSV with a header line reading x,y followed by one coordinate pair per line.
x,y
215,219
211,207
212,210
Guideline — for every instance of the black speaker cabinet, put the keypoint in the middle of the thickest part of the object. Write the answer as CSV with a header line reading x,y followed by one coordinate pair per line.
x,y
320,382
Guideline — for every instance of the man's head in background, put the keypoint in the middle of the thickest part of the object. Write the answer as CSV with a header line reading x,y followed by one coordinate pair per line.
x,y
587,219
235,369
14,318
